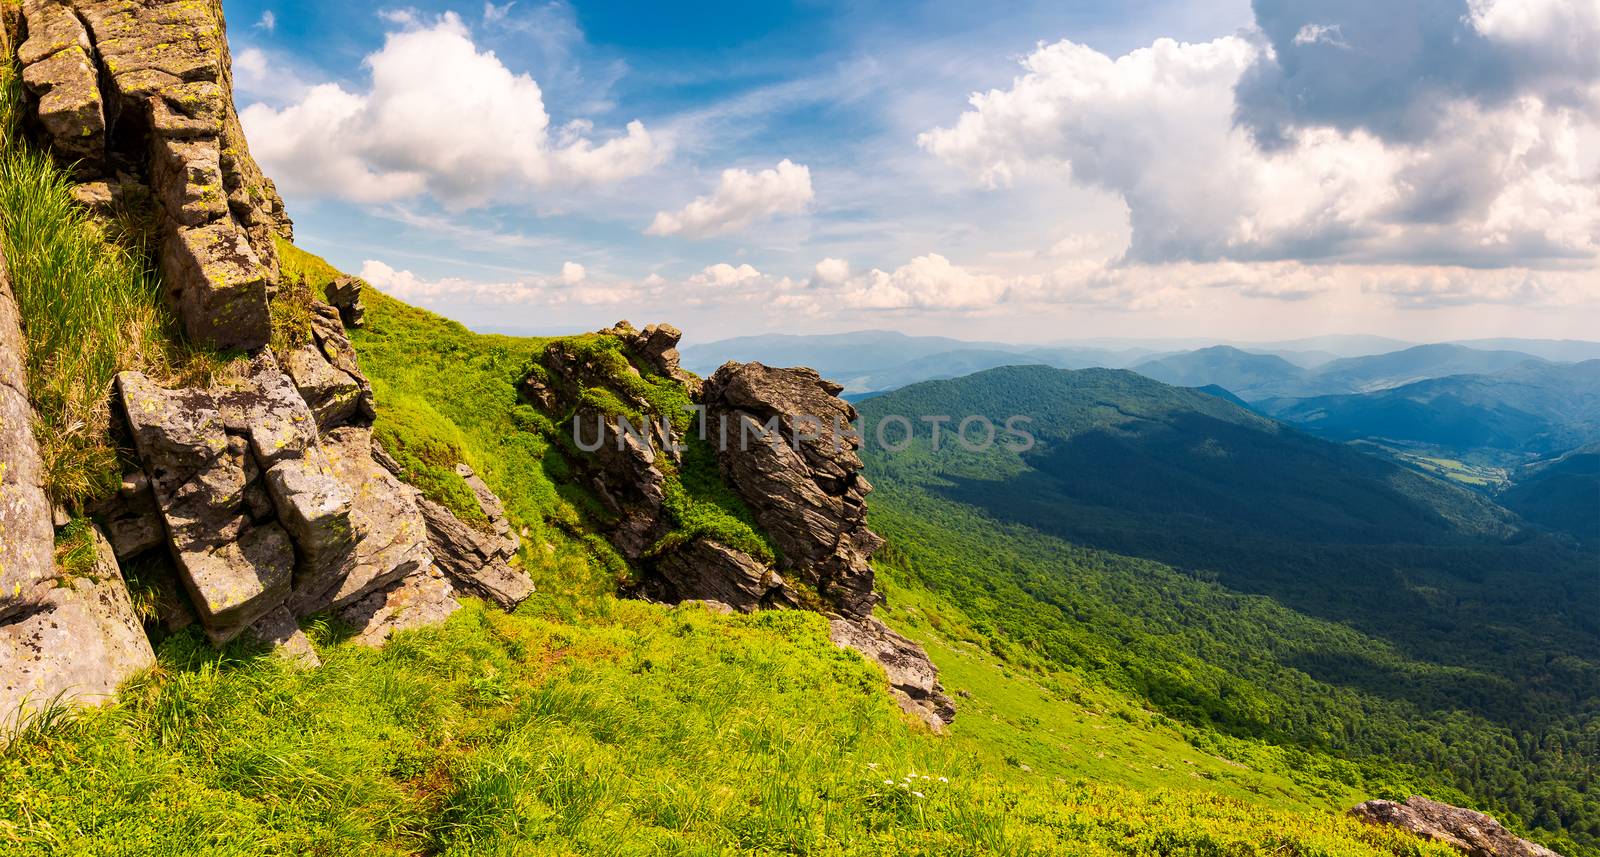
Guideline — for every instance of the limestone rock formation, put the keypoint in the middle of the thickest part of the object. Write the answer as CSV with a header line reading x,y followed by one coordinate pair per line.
x,y
1472,833
784,444
130,84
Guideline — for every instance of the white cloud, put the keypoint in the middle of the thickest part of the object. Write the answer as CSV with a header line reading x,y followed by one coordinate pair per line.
x,y
268,22
1500,185
571,286
740,199
724,274
926,282
830,272
440,117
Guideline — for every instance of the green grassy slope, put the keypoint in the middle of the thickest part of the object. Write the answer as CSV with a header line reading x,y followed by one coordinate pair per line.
x,y
631,729
586,724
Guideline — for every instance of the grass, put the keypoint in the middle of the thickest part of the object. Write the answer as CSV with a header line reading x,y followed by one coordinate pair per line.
x,y
91,306
639,729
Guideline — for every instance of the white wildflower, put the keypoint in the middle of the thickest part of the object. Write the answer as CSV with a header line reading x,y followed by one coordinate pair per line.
x,y
918,794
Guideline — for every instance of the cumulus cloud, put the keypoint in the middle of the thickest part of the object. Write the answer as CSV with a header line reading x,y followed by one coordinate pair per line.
x,y
740,199
1398,70
440,117
724,274
1511,183
830,272
268,21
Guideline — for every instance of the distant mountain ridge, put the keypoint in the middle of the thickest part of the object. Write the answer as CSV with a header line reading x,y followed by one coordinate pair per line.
x,y
872,361
1533,407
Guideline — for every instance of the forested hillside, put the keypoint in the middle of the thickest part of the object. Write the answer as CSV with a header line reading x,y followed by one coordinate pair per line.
x,y
1239,574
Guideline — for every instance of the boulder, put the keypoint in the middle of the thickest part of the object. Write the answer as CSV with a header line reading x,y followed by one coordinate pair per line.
x,y
705,570
477,561
238,581
390,536
913,678
75,644
344,294
59,70
785,445
279,630
415,601
1472,833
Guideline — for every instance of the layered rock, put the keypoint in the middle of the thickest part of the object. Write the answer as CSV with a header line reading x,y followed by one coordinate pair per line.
x,y
707,570
263,512
1472,833
478,562
344,294
326,374
122,87
786,447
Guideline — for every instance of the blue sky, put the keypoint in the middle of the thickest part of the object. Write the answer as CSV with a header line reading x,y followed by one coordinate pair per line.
x,y
1131,168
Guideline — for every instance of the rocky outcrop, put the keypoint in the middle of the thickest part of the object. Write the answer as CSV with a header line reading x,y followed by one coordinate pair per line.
x,y
141,93
1472,833
344,294
262,512
326,374
657,348
60,70
478,562
783,442
785,446
253,501
913,679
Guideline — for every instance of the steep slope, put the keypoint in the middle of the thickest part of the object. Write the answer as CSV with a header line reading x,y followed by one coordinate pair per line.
x,y
1376,590
1563,494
